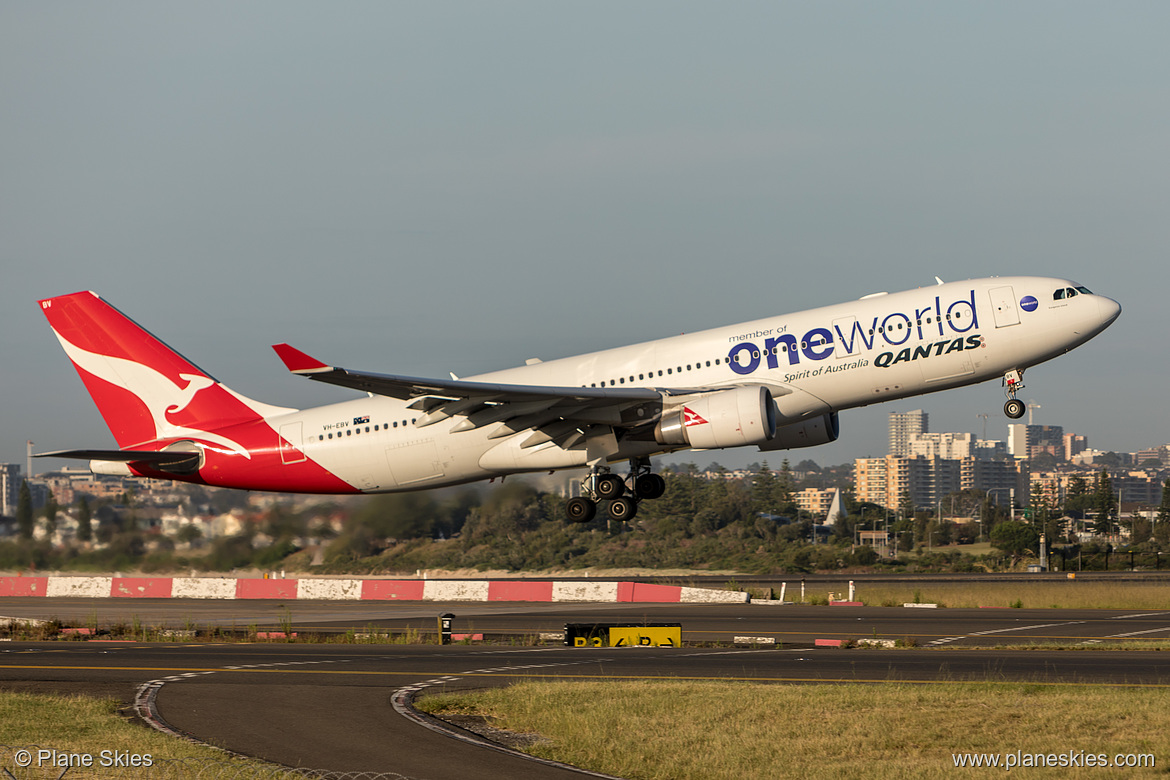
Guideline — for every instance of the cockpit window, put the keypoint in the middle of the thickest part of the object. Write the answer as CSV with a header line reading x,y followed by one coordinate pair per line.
x,y
1085,290
1070,293
1058,295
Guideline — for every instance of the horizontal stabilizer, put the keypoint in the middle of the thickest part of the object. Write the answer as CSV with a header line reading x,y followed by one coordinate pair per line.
x,y
161,459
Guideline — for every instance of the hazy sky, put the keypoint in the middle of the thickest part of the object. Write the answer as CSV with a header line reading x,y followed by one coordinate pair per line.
x,y
420,188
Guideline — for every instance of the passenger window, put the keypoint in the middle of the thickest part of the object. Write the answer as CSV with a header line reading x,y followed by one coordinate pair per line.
x,y
669,371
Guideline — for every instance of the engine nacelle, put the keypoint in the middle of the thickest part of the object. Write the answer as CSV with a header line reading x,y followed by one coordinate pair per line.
x,y
727,418
808,433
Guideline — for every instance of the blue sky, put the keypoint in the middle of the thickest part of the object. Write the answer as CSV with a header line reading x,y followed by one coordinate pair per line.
x,y
432,187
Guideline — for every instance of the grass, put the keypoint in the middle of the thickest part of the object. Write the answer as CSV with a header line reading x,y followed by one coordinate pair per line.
x,y
87,725
721,731
1057,594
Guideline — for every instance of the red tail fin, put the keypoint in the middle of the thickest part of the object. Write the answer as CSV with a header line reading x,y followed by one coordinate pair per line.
x,y
145,391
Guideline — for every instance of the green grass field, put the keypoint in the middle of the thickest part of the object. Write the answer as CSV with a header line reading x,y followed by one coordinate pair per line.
x,y
1060,594
83,725
722,731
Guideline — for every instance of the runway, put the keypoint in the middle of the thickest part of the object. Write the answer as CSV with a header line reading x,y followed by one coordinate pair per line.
x,y
795,624
330,706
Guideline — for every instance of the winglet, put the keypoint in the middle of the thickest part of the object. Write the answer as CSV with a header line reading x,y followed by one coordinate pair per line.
x,y
298,362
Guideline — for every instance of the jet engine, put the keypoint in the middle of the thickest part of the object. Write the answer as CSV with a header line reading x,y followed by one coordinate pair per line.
x,y
728,418
807,433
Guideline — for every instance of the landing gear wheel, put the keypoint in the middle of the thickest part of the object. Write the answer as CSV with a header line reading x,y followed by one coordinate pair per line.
x,y
649,486
623,508
1014,408
580,510
609,486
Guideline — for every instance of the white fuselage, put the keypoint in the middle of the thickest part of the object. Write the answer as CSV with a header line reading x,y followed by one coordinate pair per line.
x,y
879,348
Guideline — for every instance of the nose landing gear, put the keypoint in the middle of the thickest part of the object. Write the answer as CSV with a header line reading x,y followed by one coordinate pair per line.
x,y
1013,382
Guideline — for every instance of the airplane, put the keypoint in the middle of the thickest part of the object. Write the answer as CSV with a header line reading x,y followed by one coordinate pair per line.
x,y
776,383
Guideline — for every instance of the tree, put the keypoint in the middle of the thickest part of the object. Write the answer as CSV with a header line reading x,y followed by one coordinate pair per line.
x,y
51,510
24,511
1015,537
905,506
1077,499
1105,503
784,489
1162,525
764,491
84,521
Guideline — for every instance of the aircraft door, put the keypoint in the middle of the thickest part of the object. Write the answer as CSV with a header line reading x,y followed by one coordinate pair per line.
x,y
292,446
848,337
1003,306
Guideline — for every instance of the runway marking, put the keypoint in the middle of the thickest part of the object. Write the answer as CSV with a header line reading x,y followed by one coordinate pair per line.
x,y
945,640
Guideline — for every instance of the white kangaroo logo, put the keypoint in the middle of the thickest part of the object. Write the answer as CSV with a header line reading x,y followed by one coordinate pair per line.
x,y
158,393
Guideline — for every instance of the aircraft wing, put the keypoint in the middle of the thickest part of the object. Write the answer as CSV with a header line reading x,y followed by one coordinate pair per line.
x,y
554,413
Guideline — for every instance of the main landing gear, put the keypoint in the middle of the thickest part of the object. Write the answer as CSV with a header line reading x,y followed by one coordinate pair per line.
x,y
622,496
1013,382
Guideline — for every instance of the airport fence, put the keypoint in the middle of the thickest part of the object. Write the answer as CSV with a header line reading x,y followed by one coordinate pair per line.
x,y
33,762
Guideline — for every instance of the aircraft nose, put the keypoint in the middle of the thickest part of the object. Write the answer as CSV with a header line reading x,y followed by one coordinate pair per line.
x,y
1109,310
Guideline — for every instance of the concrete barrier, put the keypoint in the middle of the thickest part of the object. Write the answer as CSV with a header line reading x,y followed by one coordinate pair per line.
x,y
455,590
333,590
79,587
585,591
141,587
512,590
266,589
347,589
710,596
203,588
392,590
23,586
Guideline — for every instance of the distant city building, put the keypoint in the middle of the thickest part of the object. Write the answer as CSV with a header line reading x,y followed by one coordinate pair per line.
x,y
903,425
1046,439
999,479
1017,442
884,481
950,446
1028,441
815,501
1157,453
923,481
1074,444
9,488
990,449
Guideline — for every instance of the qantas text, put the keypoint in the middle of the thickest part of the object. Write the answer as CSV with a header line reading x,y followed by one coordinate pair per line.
x,y
848,337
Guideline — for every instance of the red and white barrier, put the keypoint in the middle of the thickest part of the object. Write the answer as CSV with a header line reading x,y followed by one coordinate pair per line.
x,y
328,589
